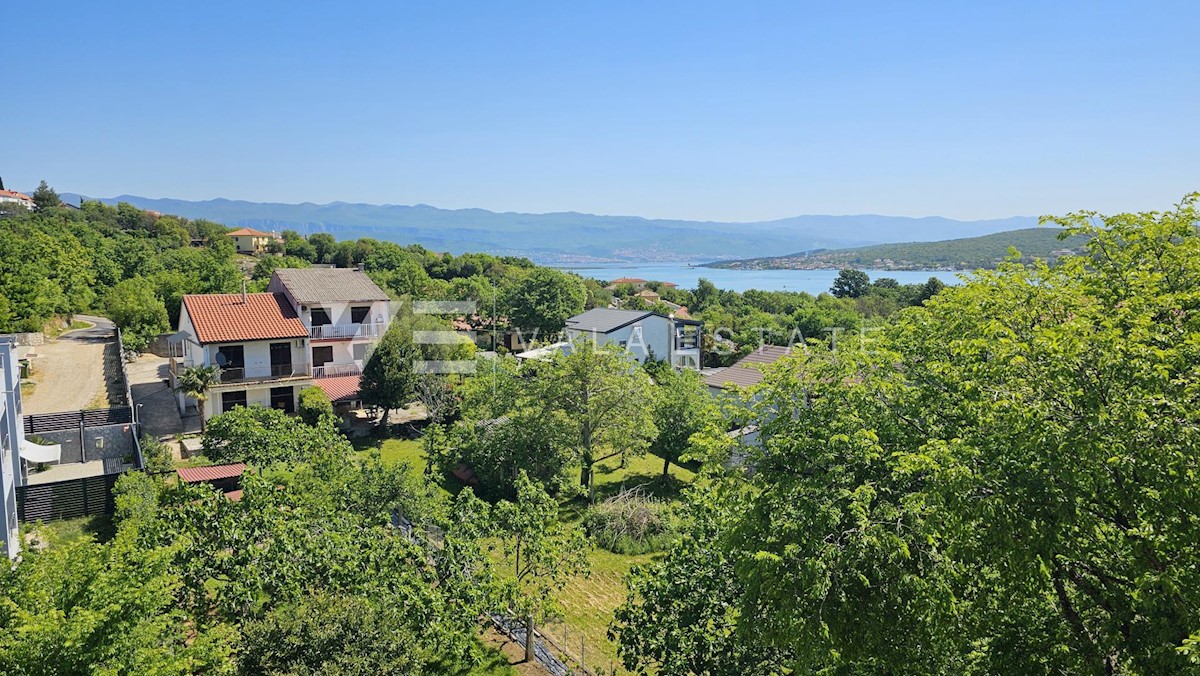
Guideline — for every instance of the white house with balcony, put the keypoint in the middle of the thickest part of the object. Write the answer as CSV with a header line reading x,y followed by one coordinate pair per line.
x,y
646,335
257,341
344,311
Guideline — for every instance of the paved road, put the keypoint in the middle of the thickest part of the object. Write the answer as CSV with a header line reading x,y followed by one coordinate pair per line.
x,y
158,412
69,371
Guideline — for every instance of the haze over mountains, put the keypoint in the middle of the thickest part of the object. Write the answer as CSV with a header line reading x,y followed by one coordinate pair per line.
x,y
575,237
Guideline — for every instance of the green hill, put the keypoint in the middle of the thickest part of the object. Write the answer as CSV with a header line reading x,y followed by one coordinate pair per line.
x,y
953,254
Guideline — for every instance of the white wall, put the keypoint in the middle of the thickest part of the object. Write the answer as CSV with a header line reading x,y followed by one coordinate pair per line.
x,y
255,394
656,337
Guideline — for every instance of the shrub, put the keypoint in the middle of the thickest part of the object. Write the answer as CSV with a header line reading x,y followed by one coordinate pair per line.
x,y
156,456
314,403
631,522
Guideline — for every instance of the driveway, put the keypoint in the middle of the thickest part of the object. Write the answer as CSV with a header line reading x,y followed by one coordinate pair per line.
x,y
69,370
155,402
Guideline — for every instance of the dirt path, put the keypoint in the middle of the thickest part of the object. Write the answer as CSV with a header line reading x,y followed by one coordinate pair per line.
x,y
69,371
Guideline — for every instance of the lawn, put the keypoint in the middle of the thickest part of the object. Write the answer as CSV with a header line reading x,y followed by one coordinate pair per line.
x,y
588,603
69,531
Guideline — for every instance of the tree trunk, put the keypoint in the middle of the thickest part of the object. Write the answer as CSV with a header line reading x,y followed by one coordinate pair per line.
x,y
529,639
666,466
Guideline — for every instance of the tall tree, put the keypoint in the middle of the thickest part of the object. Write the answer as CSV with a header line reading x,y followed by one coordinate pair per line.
x,y
683,407
605,395
544,300
851,283
389,379
45,197
544,552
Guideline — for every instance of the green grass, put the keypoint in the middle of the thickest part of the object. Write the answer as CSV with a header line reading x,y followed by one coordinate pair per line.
x,y
588,603
70,531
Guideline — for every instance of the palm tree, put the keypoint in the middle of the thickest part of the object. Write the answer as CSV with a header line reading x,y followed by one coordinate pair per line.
x,y
195,381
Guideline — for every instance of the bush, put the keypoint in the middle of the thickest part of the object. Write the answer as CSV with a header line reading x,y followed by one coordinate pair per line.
x,y
156,456
314,403
630,522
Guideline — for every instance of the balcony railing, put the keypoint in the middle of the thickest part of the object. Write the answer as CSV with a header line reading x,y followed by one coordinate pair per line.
x,y
336,370
241,374
348,331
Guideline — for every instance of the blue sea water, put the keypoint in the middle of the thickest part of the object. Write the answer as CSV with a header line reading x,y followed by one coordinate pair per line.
x,y
811,281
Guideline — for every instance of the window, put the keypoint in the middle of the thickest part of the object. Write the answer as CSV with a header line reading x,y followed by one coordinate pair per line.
x,y
361,351
320,317
231,356
231,399
283,398
322,355
358,315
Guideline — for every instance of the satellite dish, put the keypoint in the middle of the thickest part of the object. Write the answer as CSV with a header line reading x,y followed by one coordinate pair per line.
x,y
222,360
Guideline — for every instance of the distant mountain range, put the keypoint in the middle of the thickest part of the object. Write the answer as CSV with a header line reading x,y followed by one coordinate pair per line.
x,y
569,237
969,253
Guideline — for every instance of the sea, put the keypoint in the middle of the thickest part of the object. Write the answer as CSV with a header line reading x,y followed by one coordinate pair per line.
x,y
810,281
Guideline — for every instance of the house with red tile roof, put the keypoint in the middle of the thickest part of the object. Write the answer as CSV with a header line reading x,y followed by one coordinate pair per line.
x,y
251,241
12,198
256,339
313,327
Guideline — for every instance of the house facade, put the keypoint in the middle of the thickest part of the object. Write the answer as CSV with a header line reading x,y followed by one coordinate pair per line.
x,y
12,434
313,327
14,198
251,241
646,335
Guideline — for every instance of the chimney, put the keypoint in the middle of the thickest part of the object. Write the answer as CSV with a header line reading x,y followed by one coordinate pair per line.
x,y
362,267
244,299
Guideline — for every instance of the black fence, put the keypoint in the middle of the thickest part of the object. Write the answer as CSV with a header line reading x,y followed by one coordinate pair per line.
x,y
39,423
66,499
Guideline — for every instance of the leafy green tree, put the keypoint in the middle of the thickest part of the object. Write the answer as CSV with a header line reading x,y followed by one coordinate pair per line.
x,y
90,608
133,305
544,553
263,436
45,197
607,398
195,382
313,405
269,264
323,245
851,283
545,299
993,484
682,407
322,633
389,379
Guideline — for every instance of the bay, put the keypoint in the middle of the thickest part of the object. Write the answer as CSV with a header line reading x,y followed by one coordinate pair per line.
x,y
810,281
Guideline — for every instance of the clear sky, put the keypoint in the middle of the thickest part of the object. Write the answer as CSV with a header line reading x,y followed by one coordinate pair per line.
x,y
723,111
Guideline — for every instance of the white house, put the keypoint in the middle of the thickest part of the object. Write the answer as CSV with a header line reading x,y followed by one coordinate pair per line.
x,y
255,338
12,197
646,335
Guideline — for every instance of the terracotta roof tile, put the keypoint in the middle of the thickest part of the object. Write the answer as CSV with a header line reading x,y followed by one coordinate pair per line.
x,y
340,388
248,232
193,475
16,195
225,318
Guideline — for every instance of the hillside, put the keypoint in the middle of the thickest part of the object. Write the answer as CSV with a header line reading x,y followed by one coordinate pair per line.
x,y
967,253
570,238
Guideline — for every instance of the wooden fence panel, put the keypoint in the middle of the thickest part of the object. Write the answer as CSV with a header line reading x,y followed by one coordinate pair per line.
x,y
66,499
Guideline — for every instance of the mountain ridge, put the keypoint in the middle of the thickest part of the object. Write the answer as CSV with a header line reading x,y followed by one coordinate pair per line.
x,y
571,236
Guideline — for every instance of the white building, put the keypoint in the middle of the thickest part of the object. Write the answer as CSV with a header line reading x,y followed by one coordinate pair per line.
x,y
12,434
13,197
646,335
313,327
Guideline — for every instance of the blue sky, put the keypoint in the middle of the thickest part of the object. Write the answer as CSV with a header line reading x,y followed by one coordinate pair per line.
x,y
723,111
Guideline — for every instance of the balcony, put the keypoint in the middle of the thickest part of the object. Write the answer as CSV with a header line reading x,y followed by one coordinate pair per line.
x,y
348,331
337,370
241,374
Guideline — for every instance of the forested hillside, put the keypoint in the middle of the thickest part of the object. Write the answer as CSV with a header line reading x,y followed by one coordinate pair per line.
x,y
969,253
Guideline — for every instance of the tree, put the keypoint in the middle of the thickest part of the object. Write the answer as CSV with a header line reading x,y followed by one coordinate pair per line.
x,y
682,407
262,436
323,245
850,283
133,306
544,552
45,197
606,397
389,380
993,484
314,405
706,295
195,381
545,299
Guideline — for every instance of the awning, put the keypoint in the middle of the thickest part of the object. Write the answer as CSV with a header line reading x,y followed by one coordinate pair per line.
x,y
340,388
33,452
